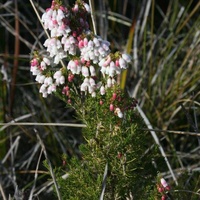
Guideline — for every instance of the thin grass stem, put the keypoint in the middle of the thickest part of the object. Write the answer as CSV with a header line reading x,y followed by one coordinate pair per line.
x,y
50,166
148,124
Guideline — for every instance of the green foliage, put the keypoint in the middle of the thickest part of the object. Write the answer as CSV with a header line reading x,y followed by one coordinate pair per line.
x,y
119,143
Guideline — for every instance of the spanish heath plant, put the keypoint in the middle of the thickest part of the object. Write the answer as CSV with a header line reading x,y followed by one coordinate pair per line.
x,y
79,68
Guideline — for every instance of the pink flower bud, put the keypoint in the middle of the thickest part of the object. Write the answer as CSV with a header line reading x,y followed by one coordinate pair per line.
x,y
87,63
117,63
74,34
163,197
111,107
69,101
101,102
70,77
34,62
114,96
168,188
160,189
119,155
80,44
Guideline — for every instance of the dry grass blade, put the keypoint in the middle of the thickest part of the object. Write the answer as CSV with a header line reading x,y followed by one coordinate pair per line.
x,y
104,182
156,139
174,132
2,192
5,125
16,56
38,16
91,3
49,164
13,146
36,175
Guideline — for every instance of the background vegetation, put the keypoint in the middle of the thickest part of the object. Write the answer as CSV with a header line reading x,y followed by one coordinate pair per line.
x,y
164,42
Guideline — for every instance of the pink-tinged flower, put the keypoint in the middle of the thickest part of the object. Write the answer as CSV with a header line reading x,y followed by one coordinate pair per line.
x,y
122,63
91,89
126,57
75,8
84,87
113,81
87,7
44,95
91,44
92,82
109,82
107,61
43,65
111,107
48,81
101,102
112,70
85,71
119,112
105,45
96,42
35,71
102,61
102,52
57,74
91,55
93,94
43,88
62,80
85,42
92,70
102,90
72,66
47,61
60,16
103,70
40,78
51,88
163,182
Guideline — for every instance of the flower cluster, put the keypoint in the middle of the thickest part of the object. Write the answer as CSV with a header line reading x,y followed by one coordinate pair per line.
x,y
72,42
163,188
